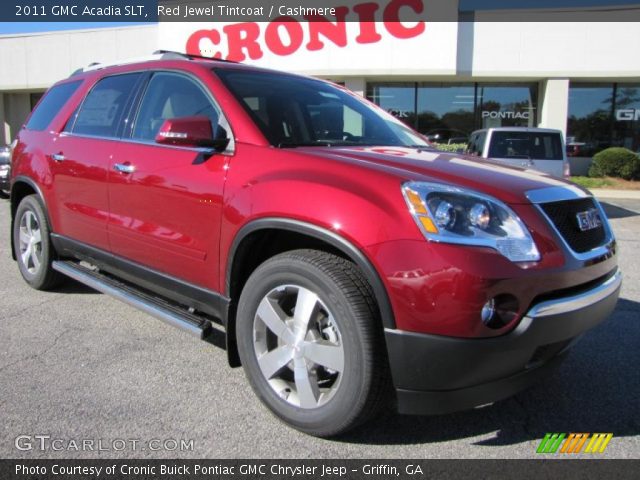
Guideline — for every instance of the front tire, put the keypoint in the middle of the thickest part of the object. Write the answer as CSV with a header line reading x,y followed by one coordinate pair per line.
x,y
32,244
311,343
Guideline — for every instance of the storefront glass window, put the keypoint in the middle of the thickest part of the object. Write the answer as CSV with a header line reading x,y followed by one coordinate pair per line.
x,y
449,112
506,105
626,130
589,123
445,112
399,99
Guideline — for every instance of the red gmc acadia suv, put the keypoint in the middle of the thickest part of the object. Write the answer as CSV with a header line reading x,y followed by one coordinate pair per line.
x,y
349,264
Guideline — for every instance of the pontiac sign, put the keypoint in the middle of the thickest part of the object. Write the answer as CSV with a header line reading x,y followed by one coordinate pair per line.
x,y
506,114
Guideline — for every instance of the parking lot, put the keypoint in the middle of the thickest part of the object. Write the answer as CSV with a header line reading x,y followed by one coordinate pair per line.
x,y
75,364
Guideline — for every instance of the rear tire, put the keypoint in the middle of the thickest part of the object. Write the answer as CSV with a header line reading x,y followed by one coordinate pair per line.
x,y
311,343
32,244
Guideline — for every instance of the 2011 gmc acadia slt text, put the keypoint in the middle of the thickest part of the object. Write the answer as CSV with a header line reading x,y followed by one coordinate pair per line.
x,y
349,263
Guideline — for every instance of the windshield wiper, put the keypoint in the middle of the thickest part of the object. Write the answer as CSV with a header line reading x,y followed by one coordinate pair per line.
x,y
423,148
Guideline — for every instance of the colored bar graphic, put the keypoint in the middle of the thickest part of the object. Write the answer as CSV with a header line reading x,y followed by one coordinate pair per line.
x,y
599,442
574,443
550,443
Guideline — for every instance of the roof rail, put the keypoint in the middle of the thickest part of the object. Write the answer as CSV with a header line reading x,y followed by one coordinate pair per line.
x,y
190,56
157,55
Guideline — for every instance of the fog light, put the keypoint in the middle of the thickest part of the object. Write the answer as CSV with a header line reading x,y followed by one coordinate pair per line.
x,y
499,311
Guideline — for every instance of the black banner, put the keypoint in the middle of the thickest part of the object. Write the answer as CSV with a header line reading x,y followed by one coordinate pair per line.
x,y
318,469
149,11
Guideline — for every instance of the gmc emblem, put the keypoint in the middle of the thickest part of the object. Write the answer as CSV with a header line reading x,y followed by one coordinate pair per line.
x,y
589,220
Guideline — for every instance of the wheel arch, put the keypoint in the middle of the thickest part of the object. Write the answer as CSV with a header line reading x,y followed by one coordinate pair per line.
x,y
242,261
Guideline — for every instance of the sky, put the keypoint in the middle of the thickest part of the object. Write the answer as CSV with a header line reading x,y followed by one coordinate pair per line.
x,y
30,27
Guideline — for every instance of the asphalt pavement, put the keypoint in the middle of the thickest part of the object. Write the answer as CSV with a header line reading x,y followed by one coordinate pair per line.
x,y
76,365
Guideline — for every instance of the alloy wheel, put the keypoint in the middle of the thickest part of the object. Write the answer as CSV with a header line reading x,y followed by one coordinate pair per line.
x,y
298,346
30,239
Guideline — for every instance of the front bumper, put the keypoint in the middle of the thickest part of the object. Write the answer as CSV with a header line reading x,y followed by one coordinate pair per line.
x,y
436,374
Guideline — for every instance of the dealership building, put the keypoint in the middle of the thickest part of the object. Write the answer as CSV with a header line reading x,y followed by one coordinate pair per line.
x,y
582,77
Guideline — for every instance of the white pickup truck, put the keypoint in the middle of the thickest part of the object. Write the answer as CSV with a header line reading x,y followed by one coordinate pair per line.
x,y
537,148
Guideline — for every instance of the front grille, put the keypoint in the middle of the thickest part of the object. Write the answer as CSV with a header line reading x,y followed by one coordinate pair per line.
x,y
564,216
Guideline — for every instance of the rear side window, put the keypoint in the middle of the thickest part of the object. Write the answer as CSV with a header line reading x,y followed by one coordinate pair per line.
x,y
102,110
526,145
471,146
51,104
476,143
171,95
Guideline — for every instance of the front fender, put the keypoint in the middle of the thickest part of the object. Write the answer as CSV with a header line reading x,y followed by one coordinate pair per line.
x,y
329,237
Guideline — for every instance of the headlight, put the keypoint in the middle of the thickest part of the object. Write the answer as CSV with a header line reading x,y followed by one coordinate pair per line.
x,y
455,215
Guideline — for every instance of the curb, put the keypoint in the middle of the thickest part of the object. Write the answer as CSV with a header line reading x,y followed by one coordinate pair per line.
x,y
619,194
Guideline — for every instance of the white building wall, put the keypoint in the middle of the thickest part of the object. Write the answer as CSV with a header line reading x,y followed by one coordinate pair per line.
x,y
556,49
432,52
554,104
39,60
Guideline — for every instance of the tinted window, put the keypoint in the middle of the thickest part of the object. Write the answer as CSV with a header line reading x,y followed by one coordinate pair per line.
x,y
526,145
170,95
601,116
589,124
506,105
476,144
626,132
51,104
293,111
399,99
102,110
446,112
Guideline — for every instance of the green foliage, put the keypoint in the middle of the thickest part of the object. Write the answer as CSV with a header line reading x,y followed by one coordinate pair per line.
x,y
589,183
454,147
616,162
631,169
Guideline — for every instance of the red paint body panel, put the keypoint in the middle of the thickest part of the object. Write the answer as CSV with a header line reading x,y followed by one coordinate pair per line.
x,y
182,219
80,187
166,214
439,289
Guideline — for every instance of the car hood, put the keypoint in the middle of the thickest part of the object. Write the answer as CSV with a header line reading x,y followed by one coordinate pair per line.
x,y
491,177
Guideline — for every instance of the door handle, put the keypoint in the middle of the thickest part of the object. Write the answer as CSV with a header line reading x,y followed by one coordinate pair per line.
x,y
57,157
124,168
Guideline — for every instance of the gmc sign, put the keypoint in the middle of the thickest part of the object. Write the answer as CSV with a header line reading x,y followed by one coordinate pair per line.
x,y
628,114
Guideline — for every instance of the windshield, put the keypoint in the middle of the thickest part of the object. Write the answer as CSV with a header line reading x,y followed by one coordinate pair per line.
x,y
527,145
294,111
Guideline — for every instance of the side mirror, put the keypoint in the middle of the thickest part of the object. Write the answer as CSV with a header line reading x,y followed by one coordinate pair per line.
x,y
192,131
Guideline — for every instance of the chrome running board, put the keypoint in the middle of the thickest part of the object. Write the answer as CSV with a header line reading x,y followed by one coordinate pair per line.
x,y
174,315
